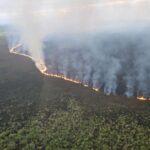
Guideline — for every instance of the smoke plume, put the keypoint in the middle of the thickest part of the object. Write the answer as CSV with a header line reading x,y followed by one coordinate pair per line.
x,y
103,43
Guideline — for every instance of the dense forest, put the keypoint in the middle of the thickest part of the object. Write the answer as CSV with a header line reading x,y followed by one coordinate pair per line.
x,y
72,129
42,113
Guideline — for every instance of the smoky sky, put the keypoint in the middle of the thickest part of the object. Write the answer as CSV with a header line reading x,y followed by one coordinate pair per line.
x,y
57,15
104,43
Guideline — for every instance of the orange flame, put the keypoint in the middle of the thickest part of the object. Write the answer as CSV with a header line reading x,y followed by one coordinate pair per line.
x,y
142,98
44,70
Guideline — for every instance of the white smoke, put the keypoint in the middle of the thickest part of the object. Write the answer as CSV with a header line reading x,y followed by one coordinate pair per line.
x,y
89,40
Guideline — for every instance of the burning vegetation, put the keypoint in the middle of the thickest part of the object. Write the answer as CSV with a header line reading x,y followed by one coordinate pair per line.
x,y
44,70
142,98
40,113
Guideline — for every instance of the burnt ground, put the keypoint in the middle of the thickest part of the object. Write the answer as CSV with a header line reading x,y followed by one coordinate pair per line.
x,y
24,92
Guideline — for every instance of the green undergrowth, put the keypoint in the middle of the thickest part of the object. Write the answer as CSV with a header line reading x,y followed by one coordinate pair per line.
x,y
73,129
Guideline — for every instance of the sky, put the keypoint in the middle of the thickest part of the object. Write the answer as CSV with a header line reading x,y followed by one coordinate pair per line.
x,y
37,19
91,11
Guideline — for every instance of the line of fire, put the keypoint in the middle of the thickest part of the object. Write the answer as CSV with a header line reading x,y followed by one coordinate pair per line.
x,y
44,70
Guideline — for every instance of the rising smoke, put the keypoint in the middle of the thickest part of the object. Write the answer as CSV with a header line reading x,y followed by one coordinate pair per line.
x,y
116,62
103,43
